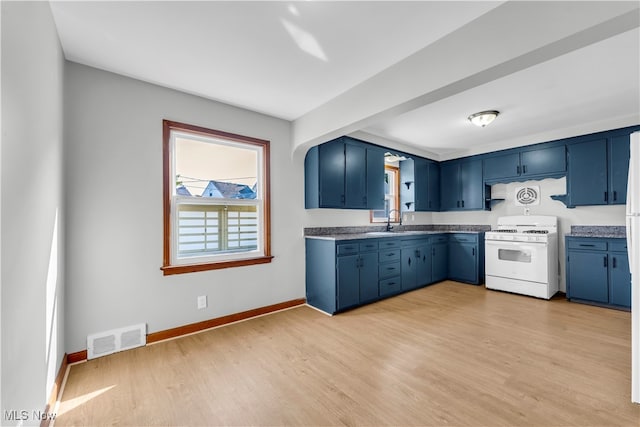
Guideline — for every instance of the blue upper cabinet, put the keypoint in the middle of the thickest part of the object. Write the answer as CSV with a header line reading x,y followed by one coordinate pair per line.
x,y
618,169
526,163
461,185
331,173
344,173
427,185
375,178
587,182
355,173
471,185
500,167
598,169
449,186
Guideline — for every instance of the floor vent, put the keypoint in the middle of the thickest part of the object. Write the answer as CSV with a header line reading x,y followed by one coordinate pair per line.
x,y
116,340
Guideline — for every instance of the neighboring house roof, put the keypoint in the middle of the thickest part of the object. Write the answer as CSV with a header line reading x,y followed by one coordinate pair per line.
x,y
228,190
183,191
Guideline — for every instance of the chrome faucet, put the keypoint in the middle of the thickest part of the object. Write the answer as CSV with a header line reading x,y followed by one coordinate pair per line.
x,y
389,226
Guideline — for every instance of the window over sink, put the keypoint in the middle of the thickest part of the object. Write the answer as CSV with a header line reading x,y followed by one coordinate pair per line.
x,y
391,196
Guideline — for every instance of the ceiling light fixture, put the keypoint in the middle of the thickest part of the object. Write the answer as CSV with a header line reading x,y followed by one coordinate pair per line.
x,y
483,118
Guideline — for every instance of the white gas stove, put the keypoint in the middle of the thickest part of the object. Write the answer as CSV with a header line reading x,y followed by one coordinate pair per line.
x,y
523,228
521,255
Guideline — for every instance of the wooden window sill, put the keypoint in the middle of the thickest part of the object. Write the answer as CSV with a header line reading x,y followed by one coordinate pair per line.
x,y
192,268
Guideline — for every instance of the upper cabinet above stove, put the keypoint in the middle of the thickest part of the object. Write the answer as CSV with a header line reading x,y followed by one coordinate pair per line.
x,y
537,162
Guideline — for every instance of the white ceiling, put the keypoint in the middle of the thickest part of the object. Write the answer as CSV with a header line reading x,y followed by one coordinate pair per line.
x,y
287,59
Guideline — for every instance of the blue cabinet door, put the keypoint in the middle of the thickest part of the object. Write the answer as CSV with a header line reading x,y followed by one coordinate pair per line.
x,y
423,269
618,169
375,178
408,266
502,167
439,261
463,262
587,179
355,174
368,277
433,188
619,280
543,161
449,186
348,279
331,174
471,185
587,272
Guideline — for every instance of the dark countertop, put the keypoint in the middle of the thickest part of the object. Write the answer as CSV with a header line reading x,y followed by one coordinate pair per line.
x,y
599,231
378,232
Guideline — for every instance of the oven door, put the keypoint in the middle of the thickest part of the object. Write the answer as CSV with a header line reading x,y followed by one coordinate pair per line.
x,y
516,260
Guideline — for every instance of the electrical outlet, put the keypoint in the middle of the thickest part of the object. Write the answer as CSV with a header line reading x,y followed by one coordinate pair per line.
x,y
202,302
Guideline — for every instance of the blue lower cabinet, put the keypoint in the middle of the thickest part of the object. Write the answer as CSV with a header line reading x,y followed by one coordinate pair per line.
x,y
348,273
598,272
466,258
388,287
368,280
415,265
588,272
440,260
348,285
619,280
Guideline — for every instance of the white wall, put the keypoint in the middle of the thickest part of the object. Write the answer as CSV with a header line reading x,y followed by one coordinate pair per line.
x,y
32,201
114,203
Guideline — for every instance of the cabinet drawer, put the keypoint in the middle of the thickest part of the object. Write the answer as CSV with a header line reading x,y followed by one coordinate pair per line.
x,y
587,244
369,246
439,239
618,245
388,244
414,242
389,255
390,269
389,286
347,249
471,238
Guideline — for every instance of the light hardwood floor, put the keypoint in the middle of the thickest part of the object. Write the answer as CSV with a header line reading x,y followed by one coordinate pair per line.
x,y
448,354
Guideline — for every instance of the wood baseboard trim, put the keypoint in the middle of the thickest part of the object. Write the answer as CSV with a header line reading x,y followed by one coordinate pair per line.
x,y
55,392
154,337
79,356
219,321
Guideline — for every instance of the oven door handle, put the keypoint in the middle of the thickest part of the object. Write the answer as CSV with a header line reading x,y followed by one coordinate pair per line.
x,y
503,243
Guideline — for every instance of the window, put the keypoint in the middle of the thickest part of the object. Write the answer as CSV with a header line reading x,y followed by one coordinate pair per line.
x,y
391,196
216,199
